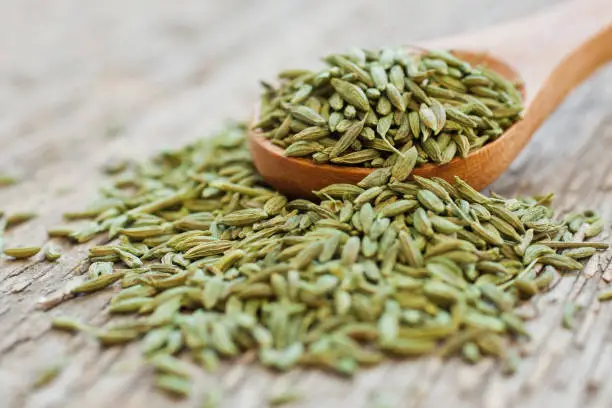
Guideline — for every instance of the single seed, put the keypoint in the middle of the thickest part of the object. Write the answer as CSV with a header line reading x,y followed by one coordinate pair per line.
x,y
22,252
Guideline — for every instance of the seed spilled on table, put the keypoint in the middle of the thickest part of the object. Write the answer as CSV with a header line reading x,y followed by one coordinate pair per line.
x,y
213,264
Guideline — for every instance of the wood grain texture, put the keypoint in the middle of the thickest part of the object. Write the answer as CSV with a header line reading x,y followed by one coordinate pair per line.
x,y
83,81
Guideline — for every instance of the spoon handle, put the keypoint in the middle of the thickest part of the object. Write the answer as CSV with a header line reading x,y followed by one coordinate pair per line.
x,y
553,50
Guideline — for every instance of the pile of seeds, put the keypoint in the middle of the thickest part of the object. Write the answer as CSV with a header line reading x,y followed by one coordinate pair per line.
x,y
368,106
213,264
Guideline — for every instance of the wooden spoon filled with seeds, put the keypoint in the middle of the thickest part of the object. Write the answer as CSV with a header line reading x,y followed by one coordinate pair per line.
x,y
393,112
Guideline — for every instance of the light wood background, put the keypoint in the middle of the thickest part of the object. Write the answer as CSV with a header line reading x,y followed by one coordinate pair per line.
x,y
82,81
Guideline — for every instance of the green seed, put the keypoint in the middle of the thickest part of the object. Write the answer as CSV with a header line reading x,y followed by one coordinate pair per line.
x,y
173,384
605,296
22,252
19,218
351,94
52,253
48,374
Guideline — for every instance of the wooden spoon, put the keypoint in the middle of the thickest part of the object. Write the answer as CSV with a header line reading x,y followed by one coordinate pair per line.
x,y
551,53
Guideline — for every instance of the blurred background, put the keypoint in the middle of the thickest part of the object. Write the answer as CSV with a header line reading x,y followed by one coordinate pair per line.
x,y
161,72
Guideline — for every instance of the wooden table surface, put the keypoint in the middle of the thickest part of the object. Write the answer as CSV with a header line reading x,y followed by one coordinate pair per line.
x,y
83,80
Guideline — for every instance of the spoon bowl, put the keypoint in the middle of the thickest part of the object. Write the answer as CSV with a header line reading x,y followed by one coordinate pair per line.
x,y
523,51
298,177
